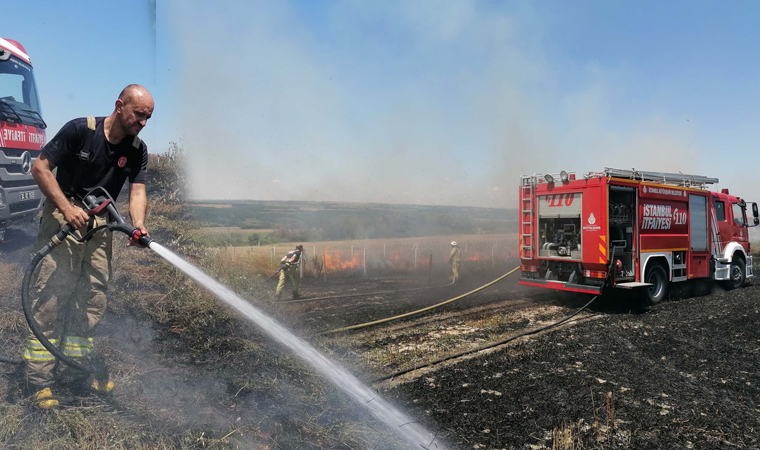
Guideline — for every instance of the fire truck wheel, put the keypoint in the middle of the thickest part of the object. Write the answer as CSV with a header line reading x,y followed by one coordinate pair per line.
x,y
738,274
575,277
656,275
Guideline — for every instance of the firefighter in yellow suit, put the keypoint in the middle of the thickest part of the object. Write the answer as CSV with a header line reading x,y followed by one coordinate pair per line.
x,y
455,258
289,271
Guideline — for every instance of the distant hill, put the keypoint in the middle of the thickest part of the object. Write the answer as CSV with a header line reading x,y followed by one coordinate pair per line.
x,y
316,221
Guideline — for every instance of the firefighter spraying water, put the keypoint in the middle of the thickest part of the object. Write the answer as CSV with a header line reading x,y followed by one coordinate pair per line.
x,y
289,271
91,156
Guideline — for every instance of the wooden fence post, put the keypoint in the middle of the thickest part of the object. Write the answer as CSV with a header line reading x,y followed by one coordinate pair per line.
x,y
430,271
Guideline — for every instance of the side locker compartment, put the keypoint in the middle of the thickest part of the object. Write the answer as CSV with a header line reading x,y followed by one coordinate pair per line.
x,y
622,222
699,265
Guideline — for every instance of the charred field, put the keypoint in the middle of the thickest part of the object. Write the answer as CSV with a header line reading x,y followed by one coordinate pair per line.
x,y
193,375
683,375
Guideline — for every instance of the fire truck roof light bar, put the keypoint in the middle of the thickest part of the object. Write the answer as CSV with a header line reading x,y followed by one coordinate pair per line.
x,y
536,178
679,179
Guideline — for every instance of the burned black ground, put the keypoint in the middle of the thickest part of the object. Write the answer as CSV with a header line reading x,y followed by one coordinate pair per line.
x,y
190,372
683,375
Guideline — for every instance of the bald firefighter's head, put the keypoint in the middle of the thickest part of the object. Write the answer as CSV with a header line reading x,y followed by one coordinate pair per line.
x,y
133,109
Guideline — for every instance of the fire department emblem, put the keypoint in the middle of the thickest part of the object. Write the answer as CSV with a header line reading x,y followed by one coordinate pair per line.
x,y
591,219
122,162
644,189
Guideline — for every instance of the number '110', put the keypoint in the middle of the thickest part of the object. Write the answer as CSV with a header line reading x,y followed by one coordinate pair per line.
x,y
557,199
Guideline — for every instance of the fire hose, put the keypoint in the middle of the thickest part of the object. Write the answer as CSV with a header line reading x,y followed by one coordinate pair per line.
x,y
420,311
486,347
9,360
97,206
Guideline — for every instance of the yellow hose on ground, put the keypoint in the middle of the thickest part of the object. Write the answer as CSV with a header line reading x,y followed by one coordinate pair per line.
x,y
419,311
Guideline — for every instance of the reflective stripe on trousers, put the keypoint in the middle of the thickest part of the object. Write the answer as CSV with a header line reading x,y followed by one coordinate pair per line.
x,y
76,346
73,346
34,351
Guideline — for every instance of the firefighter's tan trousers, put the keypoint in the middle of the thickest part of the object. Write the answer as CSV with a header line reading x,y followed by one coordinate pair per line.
x,y
70,288
292,275
454,271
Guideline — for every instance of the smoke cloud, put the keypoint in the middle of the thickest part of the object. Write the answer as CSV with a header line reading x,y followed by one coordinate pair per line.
x,y
420,102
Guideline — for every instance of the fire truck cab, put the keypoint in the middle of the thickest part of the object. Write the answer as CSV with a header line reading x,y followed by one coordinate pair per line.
x,y
22,135
633,230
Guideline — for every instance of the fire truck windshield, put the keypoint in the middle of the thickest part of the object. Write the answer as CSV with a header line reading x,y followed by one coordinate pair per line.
x,y
19,101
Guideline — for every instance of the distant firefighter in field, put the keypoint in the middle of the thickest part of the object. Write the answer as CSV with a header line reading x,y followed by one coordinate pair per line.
x,y
289,270
455,258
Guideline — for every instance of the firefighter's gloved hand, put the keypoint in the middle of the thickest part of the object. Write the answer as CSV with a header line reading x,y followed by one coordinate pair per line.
x,y
285,266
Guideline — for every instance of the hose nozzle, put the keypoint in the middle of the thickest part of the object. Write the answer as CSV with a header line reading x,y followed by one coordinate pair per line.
x,y
142,239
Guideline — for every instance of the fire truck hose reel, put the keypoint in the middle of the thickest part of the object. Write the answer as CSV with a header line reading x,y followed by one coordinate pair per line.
x,y
98,204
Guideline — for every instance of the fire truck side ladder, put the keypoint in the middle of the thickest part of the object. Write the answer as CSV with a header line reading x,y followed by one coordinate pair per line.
x,y
677,179
526,216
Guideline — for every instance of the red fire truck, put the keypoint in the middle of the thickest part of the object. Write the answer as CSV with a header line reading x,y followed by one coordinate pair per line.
x,y
22,135
631,229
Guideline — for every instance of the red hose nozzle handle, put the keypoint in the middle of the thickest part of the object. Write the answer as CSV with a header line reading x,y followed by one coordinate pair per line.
x,y
140,238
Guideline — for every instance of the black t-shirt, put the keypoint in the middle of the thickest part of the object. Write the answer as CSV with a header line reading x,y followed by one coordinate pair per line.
x,y
294,252
110,164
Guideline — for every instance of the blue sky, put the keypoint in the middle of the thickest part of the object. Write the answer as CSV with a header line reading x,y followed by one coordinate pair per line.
x,y
436,102
84,52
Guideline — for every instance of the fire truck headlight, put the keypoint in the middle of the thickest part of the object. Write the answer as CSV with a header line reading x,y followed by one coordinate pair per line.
x,y
549,178
2,199
564,176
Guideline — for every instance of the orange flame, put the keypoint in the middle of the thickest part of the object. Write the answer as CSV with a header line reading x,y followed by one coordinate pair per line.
x,y
476,257
334,261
